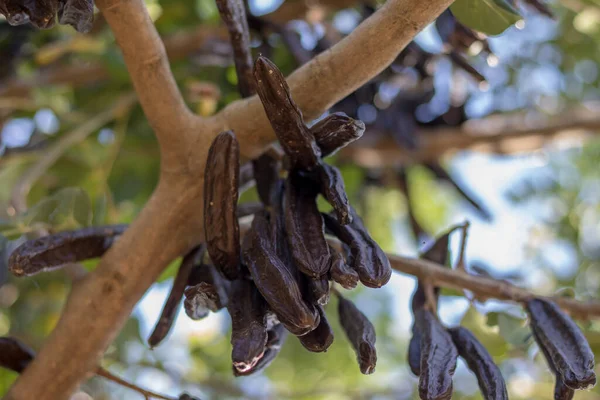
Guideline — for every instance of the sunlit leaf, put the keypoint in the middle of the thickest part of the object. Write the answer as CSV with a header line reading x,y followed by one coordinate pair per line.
x,y
486,16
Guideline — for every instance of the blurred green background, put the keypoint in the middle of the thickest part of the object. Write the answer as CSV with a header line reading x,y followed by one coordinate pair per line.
x,y
58,90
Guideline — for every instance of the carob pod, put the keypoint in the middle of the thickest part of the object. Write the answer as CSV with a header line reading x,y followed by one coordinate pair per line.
x,y
285,116
333,189
201,299
248,311
335,131
318,290
41,13
14,354
360,333
220,201
368,260
207,291
414,352
340,272
319,339
490,379
171,306
275,338
77,13
564,343
438,357
185,396
304,227
561,391
275,281
54,251
266,174
233,13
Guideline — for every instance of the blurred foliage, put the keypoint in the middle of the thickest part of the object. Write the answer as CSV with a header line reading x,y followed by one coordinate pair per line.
x,y
542,64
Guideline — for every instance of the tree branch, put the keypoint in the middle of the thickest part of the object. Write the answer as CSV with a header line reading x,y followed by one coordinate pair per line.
x,y
504,134
484,288
335,73
148,66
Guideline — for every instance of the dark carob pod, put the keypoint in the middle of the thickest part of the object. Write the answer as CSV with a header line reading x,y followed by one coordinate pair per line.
x,y
54,251
266,174
335,131
286,118
340,272
274,280
333,189
14,354
561,391
248,311
221,226
564,343
207,291
360,333
368,260
438,357
319,339
233,13
173,302
489,377
275,338
77,13
414,352
304,227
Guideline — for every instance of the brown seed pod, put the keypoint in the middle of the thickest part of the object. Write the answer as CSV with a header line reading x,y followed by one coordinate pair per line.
x,y
285,116
360,333
275,281
276,337
77,13
41,13
564,343
169,311
368,260
319,339
54,251
220,201
332,187
489,377
304,227
233,13
248,325
185,396
200,299
335,131
561,391
340,272
14,354
414,353
266,174
318,290
438,357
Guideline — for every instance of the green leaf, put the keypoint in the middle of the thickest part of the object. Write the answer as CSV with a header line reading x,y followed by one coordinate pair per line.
x,y
100,209
486,16
41,212
74,208
513,330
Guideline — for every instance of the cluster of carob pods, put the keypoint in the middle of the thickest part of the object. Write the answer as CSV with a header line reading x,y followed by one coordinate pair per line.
x,y
43,13
278,278
434,349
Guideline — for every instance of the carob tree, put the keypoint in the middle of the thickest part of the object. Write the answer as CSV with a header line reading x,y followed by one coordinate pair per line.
x,y
276,277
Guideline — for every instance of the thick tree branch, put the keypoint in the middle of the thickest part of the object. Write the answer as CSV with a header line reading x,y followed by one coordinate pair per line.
x,y
337,72
148,66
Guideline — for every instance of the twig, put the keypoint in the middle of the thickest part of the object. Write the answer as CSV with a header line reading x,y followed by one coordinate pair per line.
x,y
146,393
460,264
485,288
430,298
54,152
